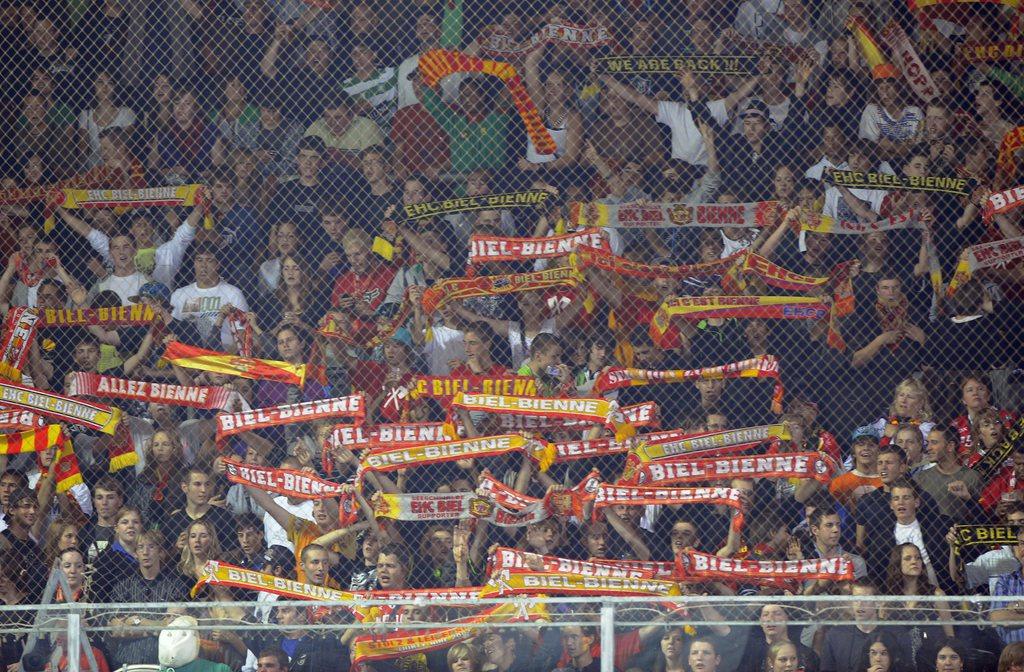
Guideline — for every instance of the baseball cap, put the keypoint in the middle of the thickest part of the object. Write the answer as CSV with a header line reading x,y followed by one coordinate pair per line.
x,y
756,106
403,336
278,556
152,290
866,430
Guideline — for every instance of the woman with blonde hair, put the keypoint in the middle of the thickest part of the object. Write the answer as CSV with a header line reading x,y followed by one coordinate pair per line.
x,y
463,658
910,404
201,546
61,535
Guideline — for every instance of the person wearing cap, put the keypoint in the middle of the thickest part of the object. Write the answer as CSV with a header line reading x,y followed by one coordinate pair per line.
x,y
148,342
749,159
850,487
383,381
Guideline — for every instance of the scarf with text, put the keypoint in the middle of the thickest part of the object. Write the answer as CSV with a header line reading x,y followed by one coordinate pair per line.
x,y
992,52
644,414
559,502
880,66
766,307
425,507
996,254
613,495
359,437
483,249
233,576
590,257
706,64
513,560
393,459
599,411
439,63
1006,160
562,33
697,565
570,451
762,366
728,441
773,275
229,424
61,408
855,179
966,536
1002,202
65,464
192,357
187,195
19,331
86,384
816,223
444,388
15,419
405,642
908,60
673,215
135,315
992,462
510,199
688,470
457,289
504,583
295,484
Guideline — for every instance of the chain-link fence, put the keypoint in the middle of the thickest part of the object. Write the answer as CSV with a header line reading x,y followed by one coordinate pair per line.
x,y
466,300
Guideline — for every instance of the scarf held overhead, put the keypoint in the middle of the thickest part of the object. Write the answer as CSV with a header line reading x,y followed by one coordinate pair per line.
x,y
393,459
191,357
512,199
855,179
590,257
501,45
457,289
439,63
996,254
966,536
730,440
513,560
762,366
188,195
434,506
908,61
644,414
694,564
65,464
709,64
703,307
61,408
782,465
614,495
600,411
229,424
673,215
83,384
485,249
20,326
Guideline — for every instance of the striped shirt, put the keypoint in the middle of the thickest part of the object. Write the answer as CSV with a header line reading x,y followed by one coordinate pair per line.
x,y
1009,585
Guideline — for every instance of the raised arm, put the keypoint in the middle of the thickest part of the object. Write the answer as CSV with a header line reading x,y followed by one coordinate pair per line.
x,y
630,95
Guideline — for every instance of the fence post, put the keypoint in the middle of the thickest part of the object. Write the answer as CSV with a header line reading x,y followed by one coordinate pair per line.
x,y
607,637
74,638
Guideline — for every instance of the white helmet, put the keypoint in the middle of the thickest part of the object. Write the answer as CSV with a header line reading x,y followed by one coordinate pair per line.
x,y
179,647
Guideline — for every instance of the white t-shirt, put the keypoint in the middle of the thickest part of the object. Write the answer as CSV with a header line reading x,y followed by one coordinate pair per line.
x,y
911,534
124,118
125,286
274,533
445,344
687,142
875,123
201,306
817,170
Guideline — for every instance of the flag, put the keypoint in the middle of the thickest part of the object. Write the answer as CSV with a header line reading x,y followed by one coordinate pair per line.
x,y
191,357
880,66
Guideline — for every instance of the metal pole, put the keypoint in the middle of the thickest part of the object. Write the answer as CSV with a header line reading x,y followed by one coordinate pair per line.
x,y
74,647
607,638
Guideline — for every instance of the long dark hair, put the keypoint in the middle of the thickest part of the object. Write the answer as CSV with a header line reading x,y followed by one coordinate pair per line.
x,y
894,574
889,641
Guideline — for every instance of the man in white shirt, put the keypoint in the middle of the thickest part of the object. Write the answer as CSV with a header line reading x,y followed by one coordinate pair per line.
x,y
125,280
927,535
208,301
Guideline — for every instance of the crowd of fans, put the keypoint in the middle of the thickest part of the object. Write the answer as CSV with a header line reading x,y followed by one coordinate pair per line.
x,y
310,128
